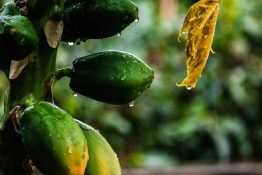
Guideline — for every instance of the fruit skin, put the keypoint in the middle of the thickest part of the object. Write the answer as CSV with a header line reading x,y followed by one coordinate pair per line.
x,y
9,9
18,37
95,19
53,140
113,77
103,160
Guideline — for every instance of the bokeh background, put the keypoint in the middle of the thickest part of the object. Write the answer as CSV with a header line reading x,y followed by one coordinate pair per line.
x,y
219,121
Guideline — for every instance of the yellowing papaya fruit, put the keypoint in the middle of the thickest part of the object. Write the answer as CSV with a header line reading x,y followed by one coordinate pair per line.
x,y
18,37
94,19
53,140
114,77
103,160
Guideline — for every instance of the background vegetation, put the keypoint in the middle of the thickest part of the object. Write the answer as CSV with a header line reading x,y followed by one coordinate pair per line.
x,y
219,121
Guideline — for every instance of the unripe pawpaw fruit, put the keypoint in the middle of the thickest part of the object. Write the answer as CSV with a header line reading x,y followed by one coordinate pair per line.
x,y
53,140
103,160
114,77
18,37
9,9
94,19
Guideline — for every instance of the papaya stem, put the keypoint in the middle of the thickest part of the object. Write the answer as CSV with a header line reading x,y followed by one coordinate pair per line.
x,y
63,72
51,80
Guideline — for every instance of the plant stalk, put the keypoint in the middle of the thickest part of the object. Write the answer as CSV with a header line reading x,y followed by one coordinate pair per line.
x,y
27,87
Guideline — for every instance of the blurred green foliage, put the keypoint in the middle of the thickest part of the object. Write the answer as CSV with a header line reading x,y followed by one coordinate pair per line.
x,y
218,121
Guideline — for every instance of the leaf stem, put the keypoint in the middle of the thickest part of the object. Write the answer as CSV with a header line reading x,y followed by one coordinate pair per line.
x,y
63,72
51,80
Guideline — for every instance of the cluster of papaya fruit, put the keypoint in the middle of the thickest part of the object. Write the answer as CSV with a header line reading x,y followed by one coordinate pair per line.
x,y
49,132
59,144
21,23
55,141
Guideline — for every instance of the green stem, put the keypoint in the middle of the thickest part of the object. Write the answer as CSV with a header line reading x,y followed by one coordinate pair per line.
x,y
31,81
51,80
60,73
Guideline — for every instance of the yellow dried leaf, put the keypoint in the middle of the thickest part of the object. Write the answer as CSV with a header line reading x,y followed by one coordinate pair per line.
x,y
200,23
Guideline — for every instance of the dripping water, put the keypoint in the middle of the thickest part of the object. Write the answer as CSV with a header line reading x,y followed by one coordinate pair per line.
x,y
70,43
131,104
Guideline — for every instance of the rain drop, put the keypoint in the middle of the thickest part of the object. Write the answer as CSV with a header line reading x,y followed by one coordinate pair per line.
x,y
70,150
70,43
119,34
131,104
75,94
83,156
189,88
136,20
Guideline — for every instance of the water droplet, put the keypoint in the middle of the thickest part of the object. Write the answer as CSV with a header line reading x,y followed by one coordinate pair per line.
x,y
131,104
70,43
75,94
119,34
70,150
136,20
83,156
189,88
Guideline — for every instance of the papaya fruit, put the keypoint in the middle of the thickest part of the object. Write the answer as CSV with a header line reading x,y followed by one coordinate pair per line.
x,y
103,160
113,77
9,9
95,19
18,37
53,140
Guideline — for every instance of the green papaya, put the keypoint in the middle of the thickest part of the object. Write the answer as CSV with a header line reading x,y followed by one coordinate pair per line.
x,y
113,77
9,9
18,37
94,19
53,140
103,160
